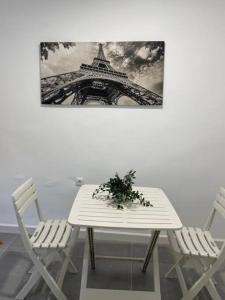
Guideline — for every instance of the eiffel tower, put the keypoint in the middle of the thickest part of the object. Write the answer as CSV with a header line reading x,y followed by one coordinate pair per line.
x,y
97,82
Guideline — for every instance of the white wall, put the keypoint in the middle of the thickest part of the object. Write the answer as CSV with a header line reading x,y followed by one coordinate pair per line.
x,y
180,148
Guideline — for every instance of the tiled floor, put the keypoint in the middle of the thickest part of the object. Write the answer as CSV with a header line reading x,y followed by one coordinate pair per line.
x,y
14,264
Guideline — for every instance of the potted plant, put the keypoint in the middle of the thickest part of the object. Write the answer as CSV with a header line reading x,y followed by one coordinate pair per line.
x,y
119,191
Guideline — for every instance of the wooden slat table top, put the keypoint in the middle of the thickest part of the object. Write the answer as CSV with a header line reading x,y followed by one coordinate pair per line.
x,y
89,212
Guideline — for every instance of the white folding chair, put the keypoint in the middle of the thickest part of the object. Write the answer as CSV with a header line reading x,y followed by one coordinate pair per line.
x,y
51,238
199,245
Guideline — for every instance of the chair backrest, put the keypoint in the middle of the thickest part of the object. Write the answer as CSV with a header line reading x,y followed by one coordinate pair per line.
x,y
219,203
218,206
23,197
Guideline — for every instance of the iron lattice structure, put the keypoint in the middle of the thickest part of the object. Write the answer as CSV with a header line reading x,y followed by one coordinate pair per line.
x,y
95,82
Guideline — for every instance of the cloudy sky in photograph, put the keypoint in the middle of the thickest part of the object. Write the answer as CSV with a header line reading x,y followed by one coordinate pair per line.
x,y
143,62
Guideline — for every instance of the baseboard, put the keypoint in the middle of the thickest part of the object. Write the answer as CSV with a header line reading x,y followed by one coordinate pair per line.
x,y
13,228
100,234
132,236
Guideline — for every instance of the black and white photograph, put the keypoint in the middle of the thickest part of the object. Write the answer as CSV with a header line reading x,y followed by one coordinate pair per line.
x,y
110,73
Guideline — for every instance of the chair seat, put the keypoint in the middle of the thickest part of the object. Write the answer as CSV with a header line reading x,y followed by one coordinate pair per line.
x,y
194,241
51,234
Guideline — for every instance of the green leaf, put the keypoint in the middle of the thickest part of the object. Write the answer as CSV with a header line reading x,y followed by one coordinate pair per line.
x,y
120,191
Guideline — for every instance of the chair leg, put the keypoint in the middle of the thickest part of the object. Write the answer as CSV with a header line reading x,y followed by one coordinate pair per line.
x,y
64,268
212,290
173,267
75,271
35,276
204,280
211,283
56,291
181,279
31,270
180,275
62,273
66,251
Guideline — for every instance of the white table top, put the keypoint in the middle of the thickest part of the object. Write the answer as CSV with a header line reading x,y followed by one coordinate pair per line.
x,y
89,212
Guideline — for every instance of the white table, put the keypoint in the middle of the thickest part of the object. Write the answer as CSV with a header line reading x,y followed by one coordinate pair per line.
x,y
97,213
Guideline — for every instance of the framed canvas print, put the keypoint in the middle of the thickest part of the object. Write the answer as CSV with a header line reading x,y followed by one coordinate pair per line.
x,y
111,73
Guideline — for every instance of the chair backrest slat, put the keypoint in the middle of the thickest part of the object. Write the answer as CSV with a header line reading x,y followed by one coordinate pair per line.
x,y
21,189
219,203
27,203
24,196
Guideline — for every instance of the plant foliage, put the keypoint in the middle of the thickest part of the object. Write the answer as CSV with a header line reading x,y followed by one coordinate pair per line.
x,y
119,191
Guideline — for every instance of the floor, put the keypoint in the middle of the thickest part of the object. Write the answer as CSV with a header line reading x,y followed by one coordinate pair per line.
x,y
127,275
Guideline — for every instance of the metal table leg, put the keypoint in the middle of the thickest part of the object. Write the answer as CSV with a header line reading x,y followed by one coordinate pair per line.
x,y
91,247
152,243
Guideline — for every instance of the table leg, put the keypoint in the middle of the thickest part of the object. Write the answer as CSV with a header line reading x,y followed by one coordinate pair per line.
x,y
91,247
152,243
